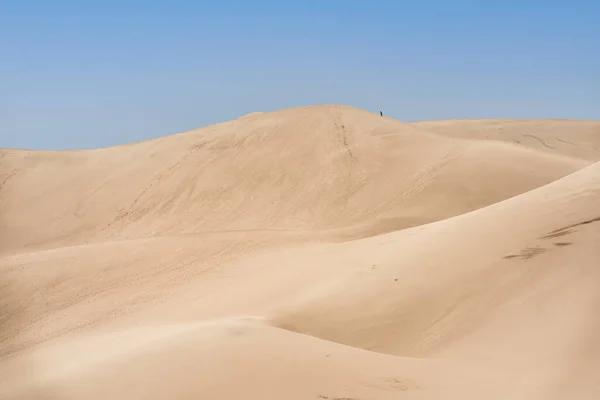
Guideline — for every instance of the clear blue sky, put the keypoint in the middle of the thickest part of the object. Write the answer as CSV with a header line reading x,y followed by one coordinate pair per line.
x,y
81,74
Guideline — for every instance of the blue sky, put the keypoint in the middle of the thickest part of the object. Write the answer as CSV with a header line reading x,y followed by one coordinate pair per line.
x,y
84,74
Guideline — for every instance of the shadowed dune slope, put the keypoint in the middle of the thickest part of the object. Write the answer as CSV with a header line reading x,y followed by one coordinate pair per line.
x,y
429,288
321,167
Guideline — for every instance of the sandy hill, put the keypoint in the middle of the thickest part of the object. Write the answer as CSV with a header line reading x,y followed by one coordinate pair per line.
x,y
312,253
575,138
324,167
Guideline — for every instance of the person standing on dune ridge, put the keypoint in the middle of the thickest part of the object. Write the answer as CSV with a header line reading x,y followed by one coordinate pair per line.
x,y
381,113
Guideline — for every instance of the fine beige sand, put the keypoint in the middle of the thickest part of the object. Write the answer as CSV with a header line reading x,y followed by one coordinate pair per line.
x,y
319,252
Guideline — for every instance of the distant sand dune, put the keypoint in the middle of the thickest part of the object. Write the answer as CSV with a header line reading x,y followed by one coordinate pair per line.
x,y
319,252
580,139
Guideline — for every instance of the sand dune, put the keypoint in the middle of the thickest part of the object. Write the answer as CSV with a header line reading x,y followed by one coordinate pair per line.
x,y
574,138
327,167
313,253
458,279
231,359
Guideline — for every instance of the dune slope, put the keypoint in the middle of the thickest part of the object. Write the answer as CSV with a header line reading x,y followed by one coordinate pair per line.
x,y
574,138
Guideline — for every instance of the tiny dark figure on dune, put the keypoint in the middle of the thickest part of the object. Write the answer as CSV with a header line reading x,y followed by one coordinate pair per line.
x,y
381,113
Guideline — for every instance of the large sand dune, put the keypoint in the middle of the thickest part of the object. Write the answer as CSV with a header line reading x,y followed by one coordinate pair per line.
x,y
312,253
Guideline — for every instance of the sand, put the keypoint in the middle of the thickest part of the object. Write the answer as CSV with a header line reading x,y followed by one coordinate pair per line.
x,y
318,252
576,138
